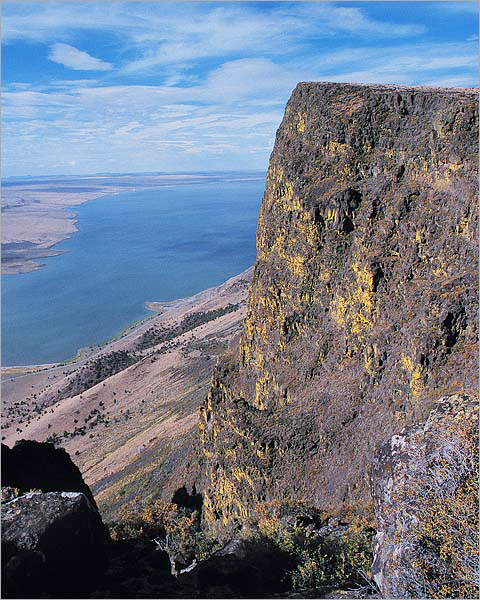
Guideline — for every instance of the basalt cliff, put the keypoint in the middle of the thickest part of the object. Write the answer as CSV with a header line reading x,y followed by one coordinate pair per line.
x,y
362,307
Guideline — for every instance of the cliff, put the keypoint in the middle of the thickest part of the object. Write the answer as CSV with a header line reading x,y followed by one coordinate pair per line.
x,y
362,307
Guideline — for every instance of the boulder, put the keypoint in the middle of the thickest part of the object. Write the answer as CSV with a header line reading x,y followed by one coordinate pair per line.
x,y
241,569
425,488
52,544
39,465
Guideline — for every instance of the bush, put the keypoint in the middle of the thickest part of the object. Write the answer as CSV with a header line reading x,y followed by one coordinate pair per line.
x,y
324,561
177,529
336,561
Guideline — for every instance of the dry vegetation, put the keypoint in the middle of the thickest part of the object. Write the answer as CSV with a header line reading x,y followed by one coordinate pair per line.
x,y
118,410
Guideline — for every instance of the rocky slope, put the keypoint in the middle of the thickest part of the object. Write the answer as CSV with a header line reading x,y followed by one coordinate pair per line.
x,y
362,307
425,489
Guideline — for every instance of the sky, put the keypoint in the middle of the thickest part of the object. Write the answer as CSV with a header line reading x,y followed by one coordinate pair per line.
x,y
90,87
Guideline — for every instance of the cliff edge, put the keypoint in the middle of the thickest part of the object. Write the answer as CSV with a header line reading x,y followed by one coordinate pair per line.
x,y
362,307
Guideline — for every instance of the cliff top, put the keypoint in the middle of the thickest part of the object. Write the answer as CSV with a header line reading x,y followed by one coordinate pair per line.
x,y
387,87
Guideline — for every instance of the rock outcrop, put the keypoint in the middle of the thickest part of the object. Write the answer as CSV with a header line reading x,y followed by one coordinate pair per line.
x,y
52,544
362,307
53,538
241,569
40,466
426,506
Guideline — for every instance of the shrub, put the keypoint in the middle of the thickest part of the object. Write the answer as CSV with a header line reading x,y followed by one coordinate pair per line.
x,y
154,336
178,529
324,561
336,561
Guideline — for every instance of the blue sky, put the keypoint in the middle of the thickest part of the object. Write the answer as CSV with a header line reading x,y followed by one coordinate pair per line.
x,y
156,86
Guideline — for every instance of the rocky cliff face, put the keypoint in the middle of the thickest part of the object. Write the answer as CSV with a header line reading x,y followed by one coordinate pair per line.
x,y
362,307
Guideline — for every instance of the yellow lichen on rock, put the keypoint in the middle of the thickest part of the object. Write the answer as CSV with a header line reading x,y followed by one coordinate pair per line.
x,y
296,265
242,474
355,309
226,499
415,372
301,122
370,355
452,168
407,362
261,388
462,228
334,148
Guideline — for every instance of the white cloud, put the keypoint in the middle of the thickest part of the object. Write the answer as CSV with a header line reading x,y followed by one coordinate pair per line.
x,y
73,58
415,63
162,34
462,80
178,37
354,20
469,7
249,77
197,85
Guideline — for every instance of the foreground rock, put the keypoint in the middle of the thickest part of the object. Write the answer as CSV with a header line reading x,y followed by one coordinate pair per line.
x,y
242,569
52,544
426,506
36,465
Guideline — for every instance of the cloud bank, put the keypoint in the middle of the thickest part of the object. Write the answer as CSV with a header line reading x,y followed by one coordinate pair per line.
x,y
200,86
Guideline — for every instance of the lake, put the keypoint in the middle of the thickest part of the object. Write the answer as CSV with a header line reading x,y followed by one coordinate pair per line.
x,y
150,245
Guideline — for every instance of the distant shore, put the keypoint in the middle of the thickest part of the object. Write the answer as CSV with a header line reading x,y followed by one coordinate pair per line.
x,y
200,300
37,214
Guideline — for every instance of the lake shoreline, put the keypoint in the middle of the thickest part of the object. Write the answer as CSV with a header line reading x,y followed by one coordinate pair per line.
x,y
124,263
52,223
161,309
36,218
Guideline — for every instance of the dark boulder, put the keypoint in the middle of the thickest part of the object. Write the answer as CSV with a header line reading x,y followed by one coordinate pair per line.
x,y
52,544
241,569
39,465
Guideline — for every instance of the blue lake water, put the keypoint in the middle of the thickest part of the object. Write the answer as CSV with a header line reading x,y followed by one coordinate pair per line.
x,y
151,245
